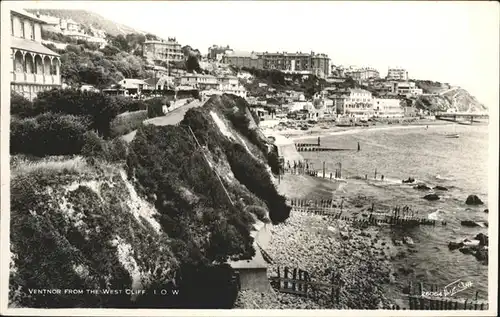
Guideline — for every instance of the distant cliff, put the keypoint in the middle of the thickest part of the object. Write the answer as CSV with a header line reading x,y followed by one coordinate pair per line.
x,y
458,99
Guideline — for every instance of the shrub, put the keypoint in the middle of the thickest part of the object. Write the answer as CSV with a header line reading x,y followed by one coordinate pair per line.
x,y
260,212
127,104
100,108
20,106
95,147
254,176
127,122
155,106
48,134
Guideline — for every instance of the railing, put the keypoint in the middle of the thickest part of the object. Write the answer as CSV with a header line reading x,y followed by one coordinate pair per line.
x,y
20,77
39,78
30,78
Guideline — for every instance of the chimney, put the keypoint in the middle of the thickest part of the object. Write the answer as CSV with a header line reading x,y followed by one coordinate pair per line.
x,y
38,14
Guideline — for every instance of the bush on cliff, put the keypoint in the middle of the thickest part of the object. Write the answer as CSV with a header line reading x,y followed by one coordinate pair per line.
x,y
95,147
48,134
238,115
101,109
155,106
253,175
20,106
127,122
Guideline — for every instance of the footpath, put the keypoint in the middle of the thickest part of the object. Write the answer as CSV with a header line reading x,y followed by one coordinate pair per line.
x,y
172,117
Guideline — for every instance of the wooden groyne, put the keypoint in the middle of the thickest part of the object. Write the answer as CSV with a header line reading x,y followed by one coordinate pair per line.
x,y
327,207
320,149
318,143
298,282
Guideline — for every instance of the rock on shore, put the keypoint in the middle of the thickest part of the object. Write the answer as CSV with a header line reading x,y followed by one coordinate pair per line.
x,y
422,187
439,187
473,200
477,247
431,197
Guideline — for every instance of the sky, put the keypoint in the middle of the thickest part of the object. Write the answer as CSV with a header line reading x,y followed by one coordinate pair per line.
x,y
452,42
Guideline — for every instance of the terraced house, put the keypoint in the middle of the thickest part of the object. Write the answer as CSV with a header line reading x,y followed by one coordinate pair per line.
x,y
35,68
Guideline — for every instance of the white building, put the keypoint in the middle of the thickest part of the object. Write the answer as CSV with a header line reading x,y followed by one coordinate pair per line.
x,y
231,85
406,89
199,81
354,102
134,86
397,73
387,107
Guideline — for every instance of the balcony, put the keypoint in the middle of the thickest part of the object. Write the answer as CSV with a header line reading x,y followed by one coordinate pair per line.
x,y
39,79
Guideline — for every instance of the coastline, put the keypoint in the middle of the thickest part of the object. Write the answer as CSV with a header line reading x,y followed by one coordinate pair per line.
x,y
320,244
296,135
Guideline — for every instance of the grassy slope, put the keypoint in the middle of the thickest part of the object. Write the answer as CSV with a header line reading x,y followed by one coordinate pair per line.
x,y
78,226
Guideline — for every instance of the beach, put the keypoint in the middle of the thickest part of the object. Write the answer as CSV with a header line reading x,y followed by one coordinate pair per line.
x,y
316,243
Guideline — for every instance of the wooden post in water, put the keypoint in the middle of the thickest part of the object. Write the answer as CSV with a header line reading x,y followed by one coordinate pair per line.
x,y
375,173
323,169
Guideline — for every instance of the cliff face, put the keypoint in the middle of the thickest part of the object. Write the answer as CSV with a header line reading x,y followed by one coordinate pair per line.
x,y
454,98
77,226
186,197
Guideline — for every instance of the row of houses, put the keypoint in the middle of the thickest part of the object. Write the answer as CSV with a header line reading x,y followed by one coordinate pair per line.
x,y
72,29
306,63
361,103
206,84
349,103
366,73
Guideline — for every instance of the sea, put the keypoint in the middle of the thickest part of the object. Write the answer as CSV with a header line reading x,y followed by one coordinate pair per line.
x,y
427,155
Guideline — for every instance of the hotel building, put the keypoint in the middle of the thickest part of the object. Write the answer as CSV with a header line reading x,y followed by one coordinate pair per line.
x,y
354,102
397,74
35,68
163,50
318,64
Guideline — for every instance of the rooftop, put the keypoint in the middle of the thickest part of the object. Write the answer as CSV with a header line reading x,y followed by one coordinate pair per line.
x,y
30,46
27,15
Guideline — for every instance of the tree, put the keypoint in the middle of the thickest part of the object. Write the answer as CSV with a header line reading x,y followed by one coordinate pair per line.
x,y
192,64
101,109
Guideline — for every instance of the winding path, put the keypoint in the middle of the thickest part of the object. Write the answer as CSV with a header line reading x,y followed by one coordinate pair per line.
x,y
171,118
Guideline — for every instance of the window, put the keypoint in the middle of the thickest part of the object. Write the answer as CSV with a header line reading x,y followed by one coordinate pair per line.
x,y
32,31
22,29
